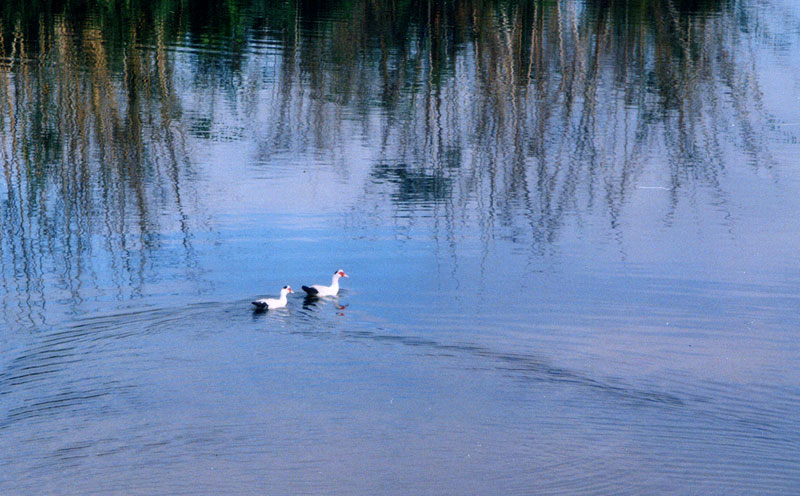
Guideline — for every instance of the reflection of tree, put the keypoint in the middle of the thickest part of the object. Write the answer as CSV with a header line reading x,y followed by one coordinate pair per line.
x,y
515,117
551,110
92,158
414,187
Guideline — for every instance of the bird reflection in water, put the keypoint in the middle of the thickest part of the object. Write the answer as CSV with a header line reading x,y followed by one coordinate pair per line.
x,y
314,302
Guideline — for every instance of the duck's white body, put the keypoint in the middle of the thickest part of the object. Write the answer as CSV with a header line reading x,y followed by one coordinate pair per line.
x,y
320,290
271,303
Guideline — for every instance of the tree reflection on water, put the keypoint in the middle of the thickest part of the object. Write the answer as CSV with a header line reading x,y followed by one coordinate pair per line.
x,y
93,157
517,113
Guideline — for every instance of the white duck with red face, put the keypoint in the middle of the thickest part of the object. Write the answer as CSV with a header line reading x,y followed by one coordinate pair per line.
x,y
332,290
272,303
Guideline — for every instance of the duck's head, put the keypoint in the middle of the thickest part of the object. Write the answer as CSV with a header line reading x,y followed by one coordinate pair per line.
x,y
340,273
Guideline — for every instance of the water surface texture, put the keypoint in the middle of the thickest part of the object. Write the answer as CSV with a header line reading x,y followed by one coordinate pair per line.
x,y
572,231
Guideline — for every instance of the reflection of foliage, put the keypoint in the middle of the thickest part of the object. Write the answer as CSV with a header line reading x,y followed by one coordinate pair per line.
x,y
120,20
505,112
551,107
414,187
92,152
523,86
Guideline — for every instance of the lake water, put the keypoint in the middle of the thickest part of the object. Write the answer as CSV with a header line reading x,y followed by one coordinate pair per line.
x,y
571,230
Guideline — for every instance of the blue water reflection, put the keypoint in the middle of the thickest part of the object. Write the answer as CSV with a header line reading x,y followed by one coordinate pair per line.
x,y
570,229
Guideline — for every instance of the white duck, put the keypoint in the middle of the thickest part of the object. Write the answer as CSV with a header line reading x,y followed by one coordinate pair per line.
x,y
270,303
332,290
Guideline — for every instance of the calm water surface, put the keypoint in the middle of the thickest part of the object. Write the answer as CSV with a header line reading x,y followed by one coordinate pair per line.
x,y
571,230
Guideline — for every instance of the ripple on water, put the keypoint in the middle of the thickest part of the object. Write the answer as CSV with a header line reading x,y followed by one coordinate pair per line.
x,y
324,393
